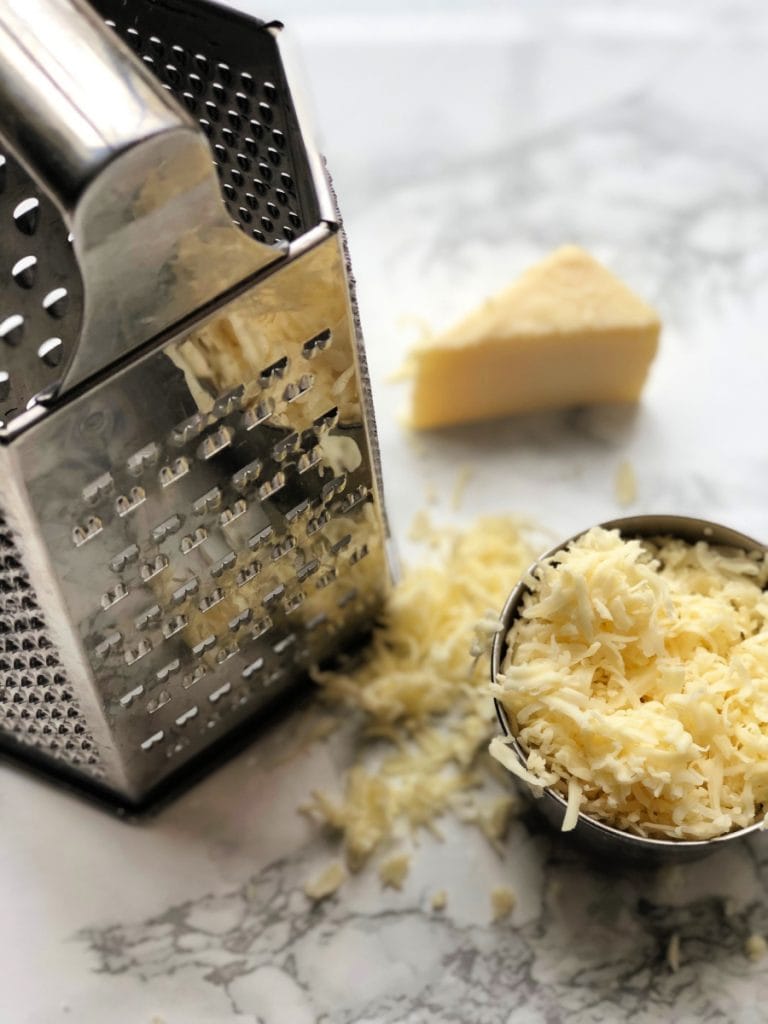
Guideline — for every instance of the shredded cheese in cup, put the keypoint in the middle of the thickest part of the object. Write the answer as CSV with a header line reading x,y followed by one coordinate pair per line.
x,y
637,674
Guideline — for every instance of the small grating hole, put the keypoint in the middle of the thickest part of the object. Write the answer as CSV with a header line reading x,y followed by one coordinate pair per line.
x,y
5,384
3,172
196,83
219,92
27,215
202,62
270,91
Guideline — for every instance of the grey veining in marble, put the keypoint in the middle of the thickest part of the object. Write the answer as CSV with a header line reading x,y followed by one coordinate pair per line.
x,y
595,949
638,132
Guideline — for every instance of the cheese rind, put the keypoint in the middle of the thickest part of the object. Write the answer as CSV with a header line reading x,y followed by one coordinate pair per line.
x,y
568,332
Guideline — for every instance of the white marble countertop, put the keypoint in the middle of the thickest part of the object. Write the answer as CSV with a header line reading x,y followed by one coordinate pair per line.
x,y
468,147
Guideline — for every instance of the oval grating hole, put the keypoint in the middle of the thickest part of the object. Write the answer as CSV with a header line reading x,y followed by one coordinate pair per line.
x,y
12,329
51,351
5,384
27,214
55,302
24,271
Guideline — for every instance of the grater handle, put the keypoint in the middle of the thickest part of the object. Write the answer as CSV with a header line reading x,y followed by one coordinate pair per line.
x,y
71,98
130,172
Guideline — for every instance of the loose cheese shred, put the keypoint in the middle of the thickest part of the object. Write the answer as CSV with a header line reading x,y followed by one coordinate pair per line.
x,y
424,704
673,953
503,902
755,947
637,674
394,870
625,484
439,900
326,883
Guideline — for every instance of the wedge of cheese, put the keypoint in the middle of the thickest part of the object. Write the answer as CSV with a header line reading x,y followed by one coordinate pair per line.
x,y
566,333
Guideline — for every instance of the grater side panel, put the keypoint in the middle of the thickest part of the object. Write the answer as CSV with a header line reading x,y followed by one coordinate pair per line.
x,y
224,67
44,710
212,514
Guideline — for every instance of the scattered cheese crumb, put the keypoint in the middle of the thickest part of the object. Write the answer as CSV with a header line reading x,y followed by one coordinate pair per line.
x,y
626,484
755,947
491,815
421,526
673,953
439,900
463,480
326,883
502,903
423,701
394,871
638,676
404,371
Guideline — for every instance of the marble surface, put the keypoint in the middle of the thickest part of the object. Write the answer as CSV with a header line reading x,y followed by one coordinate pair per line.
x,y
640,136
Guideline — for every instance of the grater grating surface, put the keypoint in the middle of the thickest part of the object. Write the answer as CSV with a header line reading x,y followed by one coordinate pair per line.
x,y
202,519
41,292
37,701
245,115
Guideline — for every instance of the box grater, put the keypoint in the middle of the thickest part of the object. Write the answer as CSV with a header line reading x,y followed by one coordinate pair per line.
x,y
190,502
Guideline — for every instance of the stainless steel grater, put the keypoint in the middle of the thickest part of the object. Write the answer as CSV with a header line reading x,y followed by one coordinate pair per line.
x,y
190,503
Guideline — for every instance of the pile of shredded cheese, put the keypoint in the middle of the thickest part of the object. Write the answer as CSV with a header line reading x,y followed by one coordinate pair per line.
x,y
638,676
423,698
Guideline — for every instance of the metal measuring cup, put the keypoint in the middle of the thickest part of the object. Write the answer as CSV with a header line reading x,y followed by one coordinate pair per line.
x,y
589,832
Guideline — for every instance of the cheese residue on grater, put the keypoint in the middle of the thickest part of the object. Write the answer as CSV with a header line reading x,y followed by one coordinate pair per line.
x,y
637,674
